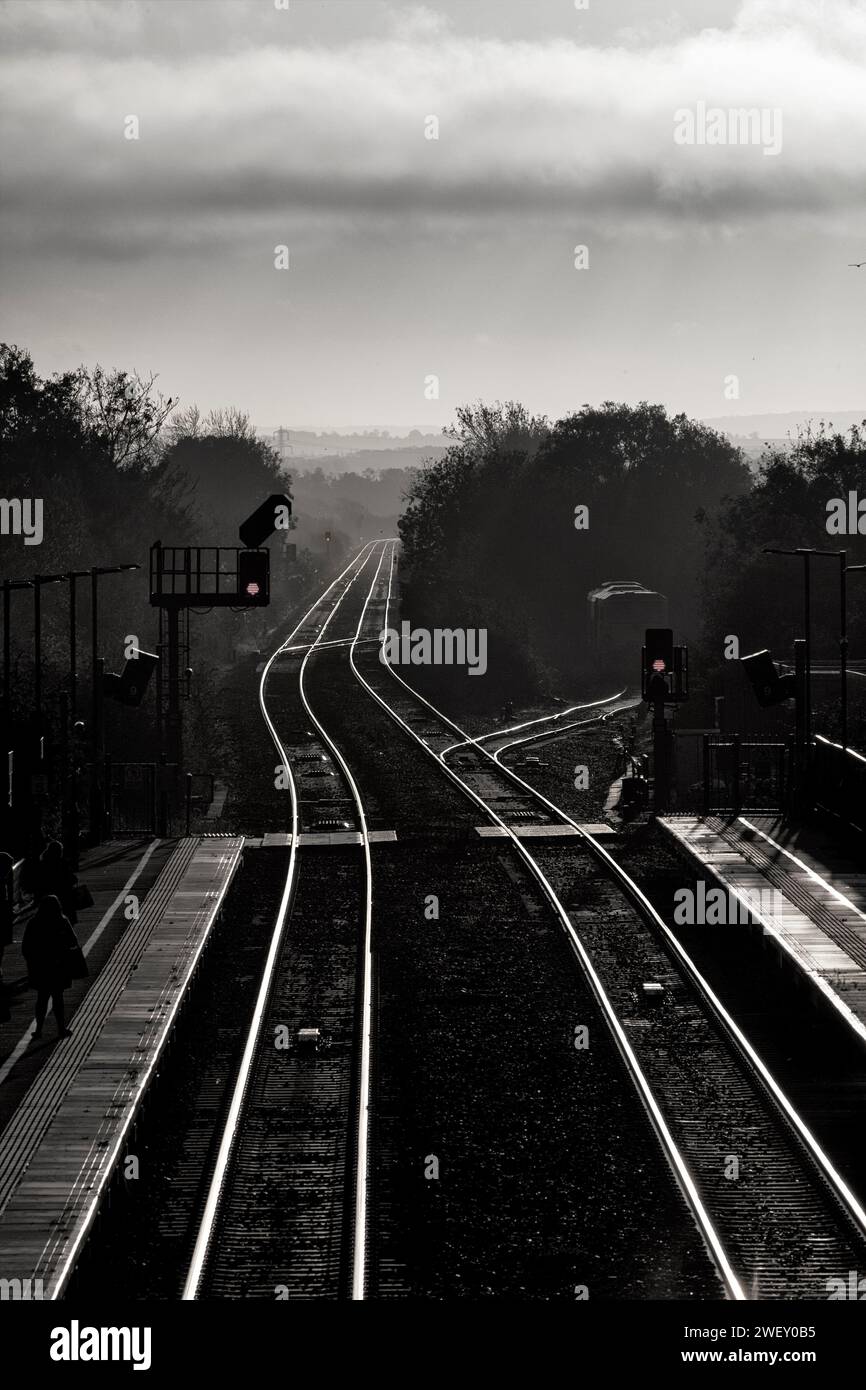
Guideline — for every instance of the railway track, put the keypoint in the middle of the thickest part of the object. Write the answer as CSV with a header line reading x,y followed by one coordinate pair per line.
x,y
286,1209
477,1068
778,1217
290,1209
498,741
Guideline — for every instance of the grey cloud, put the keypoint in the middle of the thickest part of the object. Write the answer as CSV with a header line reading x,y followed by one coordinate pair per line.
x,y
237,145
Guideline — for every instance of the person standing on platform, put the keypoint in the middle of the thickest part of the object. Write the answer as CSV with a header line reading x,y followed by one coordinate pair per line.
x,y
54,876
51,950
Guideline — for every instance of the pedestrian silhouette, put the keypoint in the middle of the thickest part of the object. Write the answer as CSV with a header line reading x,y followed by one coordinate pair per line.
x,y
55,877
50,948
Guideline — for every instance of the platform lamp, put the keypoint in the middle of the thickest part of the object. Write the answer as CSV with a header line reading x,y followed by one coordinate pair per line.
x,y
8,586
38,581
8,755
36,747
73,576
96,800
806,553
849,569
72,727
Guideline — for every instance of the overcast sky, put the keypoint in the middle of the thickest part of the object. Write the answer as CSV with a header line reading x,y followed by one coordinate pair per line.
x,y
412,257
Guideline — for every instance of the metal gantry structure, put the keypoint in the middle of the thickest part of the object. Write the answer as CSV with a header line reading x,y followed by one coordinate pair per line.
x,y
183,578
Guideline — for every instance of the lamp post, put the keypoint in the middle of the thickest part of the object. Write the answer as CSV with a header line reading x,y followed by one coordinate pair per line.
x,y
96,801
850,569
35,751
73,576
840,555
69,710
843,643
8,586
7,750
38,581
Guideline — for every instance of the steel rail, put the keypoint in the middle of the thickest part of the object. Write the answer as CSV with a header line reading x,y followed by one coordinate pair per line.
x,y
627,703
680,1168
216,1187
832,1177
541,719
836,1183
359,1241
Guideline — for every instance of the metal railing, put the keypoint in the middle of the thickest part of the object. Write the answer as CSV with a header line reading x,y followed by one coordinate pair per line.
x,y
131,798
740,773
837,781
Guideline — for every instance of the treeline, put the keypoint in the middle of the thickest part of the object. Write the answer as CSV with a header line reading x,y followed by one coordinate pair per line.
x,y
493,535
523,517
796,500
118,466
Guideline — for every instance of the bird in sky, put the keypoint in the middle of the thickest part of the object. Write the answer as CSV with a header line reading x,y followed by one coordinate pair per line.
x,y
856,265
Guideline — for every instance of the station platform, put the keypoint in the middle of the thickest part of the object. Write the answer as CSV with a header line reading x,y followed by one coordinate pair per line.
x,y
811,897
60,1147
119,874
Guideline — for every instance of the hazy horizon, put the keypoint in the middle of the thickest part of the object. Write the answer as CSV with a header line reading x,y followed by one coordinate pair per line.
x,y
754,420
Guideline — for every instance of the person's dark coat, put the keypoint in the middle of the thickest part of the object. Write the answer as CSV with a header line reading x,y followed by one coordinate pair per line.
x,y
47,947
55,878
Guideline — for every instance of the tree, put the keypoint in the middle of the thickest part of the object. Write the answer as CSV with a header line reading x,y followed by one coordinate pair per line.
x,y
757,597
88,445
228,469
489,530
125,413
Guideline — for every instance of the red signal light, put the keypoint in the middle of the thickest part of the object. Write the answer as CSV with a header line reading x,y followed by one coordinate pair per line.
x,y
253,576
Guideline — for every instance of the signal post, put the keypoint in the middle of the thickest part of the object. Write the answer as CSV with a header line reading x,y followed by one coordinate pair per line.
x,y
185,577
664,680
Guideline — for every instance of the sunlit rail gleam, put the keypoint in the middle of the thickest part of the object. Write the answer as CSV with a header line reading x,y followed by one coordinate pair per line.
x,y
832,1178
731,1282
235,1111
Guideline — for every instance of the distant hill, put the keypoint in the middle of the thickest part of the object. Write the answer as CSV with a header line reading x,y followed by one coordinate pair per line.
x,y
779,426
363,460
311,444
